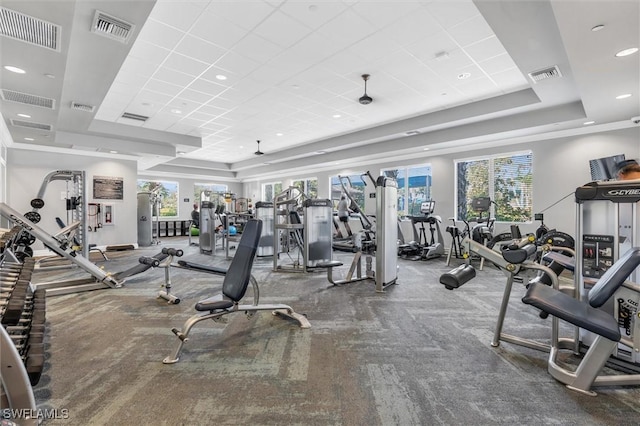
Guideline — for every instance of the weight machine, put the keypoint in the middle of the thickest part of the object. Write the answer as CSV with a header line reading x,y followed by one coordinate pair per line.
x,y
608,225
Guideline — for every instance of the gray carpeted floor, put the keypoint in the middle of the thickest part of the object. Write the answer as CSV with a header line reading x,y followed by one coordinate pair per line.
x,y
417,354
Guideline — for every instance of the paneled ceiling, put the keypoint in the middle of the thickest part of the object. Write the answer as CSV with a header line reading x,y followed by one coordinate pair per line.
x,y
187,87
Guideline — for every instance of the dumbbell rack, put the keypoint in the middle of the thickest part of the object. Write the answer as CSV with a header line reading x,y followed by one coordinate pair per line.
x,y
22,315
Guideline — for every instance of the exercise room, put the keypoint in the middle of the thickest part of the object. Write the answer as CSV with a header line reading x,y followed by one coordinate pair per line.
x,y
298,212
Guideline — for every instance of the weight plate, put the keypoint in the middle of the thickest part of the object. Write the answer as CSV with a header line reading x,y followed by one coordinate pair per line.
x,y
33,216
37,203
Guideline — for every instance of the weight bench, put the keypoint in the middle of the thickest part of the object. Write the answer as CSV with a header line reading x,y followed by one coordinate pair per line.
x,y
587,315
234,286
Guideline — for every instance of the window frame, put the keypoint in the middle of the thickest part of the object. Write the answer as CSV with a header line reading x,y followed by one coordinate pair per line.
x,y
404,204
491,179
174,195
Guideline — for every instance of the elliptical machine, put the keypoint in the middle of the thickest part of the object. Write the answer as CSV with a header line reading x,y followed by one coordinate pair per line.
x,y
423,247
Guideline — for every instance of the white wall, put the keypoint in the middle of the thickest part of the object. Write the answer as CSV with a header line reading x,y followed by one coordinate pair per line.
x,y
27,169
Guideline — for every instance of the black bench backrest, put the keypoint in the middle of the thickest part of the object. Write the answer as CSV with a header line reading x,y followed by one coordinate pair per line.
x,y
614,277
238,275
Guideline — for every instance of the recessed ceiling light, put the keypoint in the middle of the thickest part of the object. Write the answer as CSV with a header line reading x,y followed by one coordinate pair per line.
x,y
241,147
14,69
588,122
336,116
29,139
221,77
50,75
147,104
321,152
425,149
183,153
464,76
626,95
597,28
627,52
176,111
266,164
24,115
113,152
279,134
412,133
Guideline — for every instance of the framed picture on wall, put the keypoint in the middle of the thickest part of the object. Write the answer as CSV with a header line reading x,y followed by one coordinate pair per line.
x,y
108,188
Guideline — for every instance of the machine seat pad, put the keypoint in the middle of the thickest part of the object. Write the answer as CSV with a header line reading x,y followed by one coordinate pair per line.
x,y
572,310
213,303
330,264
458,276
564,260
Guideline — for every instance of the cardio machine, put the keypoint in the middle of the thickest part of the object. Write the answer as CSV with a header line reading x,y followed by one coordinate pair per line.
x,y
424,247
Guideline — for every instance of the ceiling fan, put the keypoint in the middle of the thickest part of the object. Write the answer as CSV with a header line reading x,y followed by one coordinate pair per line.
x,y
258,152
365,99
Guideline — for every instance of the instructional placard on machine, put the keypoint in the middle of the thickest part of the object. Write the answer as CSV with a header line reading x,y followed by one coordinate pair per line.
x,y
597,254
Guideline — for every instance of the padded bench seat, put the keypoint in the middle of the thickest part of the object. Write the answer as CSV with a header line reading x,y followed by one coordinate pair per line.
x,y
213,303
569,309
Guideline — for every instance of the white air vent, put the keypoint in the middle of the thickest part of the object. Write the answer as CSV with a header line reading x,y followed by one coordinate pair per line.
x,y
135,116
31,125
545,74
19,26
82,107
25,98
112,27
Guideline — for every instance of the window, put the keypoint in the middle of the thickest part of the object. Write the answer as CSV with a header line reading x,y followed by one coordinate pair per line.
x,y
506,179
414,187
308,186
270,190
168,192
355,185
198,188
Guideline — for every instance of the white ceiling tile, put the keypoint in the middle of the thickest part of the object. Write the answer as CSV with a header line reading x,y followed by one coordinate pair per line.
x,y
160,34
313,14
161,121
456,60
346,29
217,30
163,87
479,87
339,85
185,64
236,64
149,52
195,96
178,14
200,49
450,13
154,98
375,47
172,76
212,110
497,64
137,66
311,50
346,62
416,26
257,48
210,88
485,49
471,31
426,49
281,29
474,73
243,14
382,14
511,79
132,79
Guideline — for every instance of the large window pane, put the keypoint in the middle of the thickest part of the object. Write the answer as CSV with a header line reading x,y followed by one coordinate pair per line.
x,y
198,188
414,187
506,179
308,186
168,193
355,186
270,190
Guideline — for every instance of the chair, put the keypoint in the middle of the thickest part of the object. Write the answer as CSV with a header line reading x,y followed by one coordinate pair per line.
x,y
234,286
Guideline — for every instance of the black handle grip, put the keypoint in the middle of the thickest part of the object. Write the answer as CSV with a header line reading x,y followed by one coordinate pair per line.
x,y
172,252
151,261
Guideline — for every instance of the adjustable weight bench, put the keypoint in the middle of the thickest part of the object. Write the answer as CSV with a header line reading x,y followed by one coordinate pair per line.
x,y
587,315
234,286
